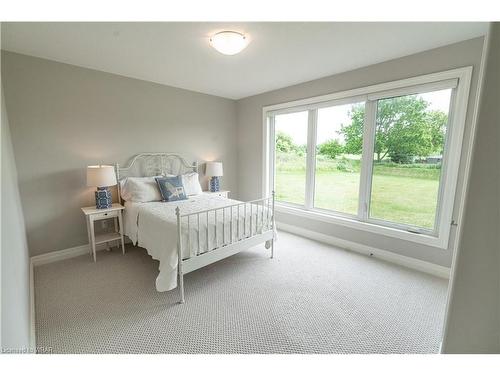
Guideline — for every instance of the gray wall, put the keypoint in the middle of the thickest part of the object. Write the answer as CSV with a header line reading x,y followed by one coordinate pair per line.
x,y
64,118
473,324
250,142
15,327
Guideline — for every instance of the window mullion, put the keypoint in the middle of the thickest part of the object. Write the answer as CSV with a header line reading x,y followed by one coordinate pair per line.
x,y
367,159
311,157
272,158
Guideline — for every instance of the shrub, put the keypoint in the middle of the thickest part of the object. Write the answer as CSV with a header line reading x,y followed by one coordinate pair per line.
x,y
331,148
344,165
400,157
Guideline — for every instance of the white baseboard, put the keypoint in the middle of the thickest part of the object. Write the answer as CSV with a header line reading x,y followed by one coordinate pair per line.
x,y
416,264
55,256
72,252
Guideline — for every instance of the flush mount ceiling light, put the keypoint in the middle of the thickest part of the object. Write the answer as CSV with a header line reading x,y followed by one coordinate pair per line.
x,y
229,42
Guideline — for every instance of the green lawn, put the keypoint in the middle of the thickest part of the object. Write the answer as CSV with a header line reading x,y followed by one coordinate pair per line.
x,y
400,193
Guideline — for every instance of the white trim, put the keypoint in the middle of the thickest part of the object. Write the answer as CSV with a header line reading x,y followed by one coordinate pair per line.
x,y
465,187
439,236
318,105
312,129
72,252
267,155
366,173
426,87
388,256
55,256
359,92
354,223
453,151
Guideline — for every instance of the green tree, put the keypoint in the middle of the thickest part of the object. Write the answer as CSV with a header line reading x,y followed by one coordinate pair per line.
x,y
404,129
284,143
353,133
437,121
300,149
331,148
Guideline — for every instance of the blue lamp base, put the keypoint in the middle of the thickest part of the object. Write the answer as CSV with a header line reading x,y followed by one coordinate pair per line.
x,y
215,184
103,198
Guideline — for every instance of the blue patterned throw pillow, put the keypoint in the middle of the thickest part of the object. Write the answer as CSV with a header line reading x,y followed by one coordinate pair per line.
x,y
171,188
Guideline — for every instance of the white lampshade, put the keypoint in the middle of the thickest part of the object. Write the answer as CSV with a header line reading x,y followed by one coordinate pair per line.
x,y
214,168
101,175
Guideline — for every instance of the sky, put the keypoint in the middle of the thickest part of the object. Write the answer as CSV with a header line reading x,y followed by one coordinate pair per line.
x,y
331,118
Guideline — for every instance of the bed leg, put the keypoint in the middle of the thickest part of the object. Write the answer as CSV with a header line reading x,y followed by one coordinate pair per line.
x,y
273,224
181,288
179,255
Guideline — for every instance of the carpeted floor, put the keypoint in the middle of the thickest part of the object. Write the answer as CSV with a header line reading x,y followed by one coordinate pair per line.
x,y
311,298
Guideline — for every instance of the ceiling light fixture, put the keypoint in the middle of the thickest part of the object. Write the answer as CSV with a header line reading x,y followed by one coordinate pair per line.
x,y
229,42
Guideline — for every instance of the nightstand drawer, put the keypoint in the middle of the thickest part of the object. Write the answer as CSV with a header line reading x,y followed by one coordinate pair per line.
x,y
104,215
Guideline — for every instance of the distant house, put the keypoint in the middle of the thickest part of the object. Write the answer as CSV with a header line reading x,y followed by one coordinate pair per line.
x,y
434,159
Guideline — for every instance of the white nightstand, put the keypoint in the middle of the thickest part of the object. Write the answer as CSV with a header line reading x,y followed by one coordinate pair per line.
x,y
93,214
222,193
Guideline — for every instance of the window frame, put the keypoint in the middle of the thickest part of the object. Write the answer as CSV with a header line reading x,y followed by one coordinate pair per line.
x,y
439,237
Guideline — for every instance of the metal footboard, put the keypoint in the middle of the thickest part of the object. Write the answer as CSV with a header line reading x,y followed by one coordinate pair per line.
x,y
236,227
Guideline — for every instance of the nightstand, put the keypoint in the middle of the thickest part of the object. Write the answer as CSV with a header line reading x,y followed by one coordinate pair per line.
x,y
222,193
93,214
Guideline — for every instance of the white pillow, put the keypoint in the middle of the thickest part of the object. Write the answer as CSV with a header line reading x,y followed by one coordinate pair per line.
x,y
191,183
140,189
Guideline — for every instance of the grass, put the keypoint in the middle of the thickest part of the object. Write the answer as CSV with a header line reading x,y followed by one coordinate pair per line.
x,y
400,193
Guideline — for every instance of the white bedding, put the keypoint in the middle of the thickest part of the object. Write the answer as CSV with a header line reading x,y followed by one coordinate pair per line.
x,y
153,225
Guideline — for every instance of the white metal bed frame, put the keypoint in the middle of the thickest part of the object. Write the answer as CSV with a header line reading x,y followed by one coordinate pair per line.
x,y
260,230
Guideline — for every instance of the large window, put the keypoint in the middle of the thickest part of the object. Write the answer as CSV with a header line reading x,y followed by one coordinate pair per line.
x,y
384,158
409,144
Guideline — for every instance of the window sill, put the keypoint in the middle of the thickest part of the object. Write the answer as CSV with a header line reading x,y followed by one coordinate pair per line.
x,y
440,242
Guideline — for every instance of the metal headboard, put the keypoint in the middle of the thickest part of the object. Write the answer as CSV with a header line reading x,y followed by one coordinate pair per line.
x,y
150,164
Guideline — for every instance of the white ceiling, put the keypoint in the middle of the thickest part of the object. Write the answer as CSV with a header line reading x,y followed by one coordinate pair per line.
x,y
279,54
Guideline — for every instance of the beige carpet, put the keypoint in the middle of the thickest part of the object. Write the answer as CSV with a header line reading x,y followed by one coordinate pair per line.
x,y
311,298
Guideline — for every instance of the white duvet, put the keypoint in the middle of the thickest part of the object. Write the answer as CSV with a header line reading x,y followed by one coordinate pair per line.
x,y
153,225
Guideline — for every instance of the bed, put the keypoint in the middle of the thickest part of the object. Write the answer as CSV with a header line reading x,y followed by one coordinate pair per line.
x,y
189,234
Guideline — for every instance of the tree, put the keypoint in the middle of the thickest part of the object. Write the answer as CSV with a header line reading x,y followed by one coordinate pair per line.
x,y
353,133
404,129
437,121
331,148
284,143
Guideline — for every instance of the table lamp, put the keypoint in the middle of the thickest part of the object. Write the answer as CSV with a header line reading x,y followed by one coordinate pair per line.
x,y
214,170
101,177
